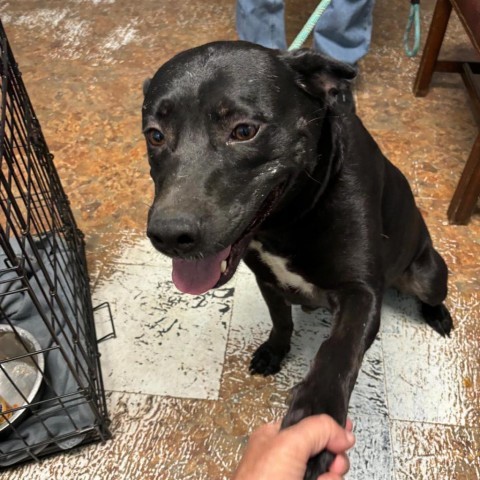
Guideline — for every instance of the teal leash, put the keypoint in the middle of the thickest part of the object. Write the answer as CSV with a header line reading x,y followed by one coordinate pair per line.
x,y
309,26
412,23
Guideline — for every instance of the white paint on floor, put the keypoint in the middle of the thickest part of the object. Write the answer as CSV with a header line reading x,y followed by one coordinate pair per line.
x,y
121,36
167,343
51,17
69,30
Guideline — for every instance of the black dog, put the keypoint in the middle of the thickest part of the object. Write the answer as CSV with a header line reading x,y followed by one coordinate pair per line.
x,y
252,160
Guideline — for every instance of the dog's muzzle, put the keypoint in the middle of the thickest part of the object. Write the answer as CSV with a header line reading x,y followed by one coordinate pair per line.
x,y
180,237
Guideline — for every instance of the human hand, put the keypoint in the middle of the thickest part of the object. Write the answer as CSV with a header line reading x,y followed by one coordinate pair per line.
x,y
283,454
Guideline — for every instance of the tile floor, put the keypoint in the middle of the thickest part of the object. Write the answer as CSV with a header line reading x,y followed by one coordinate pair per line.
x,y
180,397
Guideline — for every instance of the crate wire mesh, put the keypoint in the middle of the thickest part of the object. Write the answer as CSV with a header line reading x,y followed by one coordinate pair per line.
x,y
44,291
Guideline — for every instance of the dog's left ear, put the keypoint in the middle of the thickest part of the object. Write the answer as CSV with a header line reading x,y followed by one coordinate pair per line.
x,y
146,84
317,74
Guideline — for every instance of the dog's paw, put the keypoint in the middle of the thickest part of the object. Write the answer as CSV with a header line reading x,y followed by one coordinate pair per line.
x,y
266,361
318,464
438,317
306,402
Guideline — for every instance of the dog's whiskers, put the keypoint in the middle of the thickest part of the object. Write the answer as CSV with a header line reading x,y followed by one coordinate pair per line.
x,y
312,178
314,119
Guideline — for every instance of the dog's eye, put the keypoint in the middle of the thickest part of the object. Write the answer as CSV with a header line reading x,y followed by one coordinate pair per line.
x,y
243,132
155,137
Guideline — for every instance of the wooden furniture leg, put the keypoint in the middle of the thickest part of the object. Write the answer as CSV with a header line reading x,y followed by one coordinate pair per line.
x,y
438,27
468,189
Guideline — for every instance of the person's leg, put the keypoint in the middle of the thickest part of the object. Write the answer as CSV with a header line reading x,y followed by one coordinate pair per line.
x,y
344,30
262,22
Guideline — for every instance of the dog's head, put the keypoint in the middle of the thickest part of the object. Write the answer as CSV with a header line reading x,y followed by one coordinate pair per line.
x,y
229,127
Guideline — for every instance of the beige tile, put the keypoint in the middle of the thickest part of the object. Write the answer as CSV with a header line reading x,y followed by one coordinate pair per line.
x,y
424,451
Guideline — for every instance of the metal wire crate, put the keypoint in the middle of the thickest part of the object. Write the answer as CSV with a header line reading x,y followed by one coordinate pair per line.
x,y
49,361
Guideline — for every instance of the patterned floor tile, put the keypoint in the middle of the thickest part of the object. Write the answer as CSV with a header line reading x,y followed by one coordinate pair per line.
x,y
167,343
424,451
427,378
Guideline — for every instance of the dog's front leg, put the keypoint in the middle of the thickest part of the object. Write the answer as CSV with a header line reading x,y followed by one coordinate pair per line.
x,y
268,357
329,384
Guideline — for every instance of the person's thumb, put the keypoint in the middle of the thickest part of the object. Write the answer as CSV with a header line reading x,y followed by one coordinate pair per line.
x,y
320,432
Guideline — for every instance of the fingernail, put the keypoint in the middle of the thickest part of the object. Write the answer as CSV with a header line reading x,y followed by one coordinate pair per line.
x,y
350,437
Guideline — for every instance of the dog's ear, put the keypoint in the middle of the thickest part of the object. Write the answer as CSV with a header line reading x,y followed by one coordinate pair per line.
x,y
317,74
146,84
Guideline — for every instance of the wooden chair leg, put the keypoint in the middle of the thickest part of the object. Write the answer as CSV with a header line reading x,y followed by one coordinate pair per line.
x,y
468,189
438,27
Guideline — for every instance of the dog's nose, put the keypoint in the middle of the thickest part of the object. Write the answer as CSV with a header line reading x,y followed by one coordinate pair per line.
x,y
175,235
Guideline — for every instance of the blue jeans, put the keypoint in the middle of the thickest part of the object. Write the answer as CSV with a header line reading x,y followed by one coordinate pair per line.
x,y
343,31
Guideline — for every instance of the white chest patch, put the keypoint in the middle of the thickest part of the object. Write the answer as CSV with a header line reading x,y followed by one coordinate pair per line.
x,y
278,266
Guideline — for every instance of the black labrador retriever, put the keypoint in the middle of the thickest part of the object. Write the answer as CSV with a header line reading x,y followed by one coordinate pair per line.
x,y
252,159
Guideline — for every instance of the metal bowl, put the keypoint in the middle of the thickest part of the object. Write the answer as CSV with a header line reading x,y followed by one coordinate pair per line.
x,y
25,372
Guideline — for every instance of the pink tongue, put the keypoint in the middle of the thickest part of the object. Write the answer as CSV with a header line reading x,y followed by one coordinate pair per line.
x,y
198,276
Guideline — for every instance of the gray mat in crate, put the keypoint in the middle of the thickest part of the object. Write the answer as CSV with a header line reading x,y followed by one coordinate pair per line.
x,y
48,424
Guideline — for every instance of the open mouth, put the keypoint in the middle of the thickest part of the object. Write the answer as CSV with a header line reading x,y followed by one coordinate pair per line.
x,y
199,276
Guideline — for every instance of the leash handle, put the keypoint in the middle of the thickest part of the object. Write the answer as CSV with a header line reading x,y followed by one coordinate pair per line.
x,y
412,23
309,26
